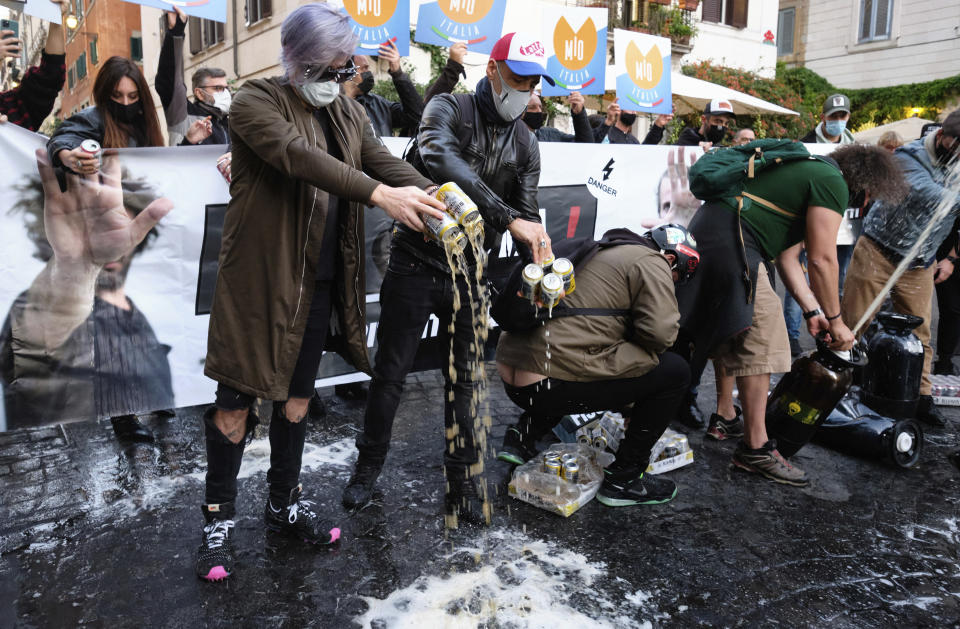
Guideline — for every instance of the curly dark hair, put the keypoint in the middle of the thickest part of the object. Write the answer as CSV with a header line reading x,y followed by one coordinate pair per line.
x,y
872,169
137,195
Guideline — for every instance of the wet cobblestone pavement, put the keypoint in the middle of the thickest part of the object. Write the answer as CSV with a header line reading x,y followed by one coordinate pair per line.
x,y
95,533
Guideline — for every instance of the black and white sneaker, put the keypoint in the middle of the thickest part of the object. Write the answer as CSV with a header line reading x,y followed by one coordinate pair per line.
x,y
626,489
298,519
215,555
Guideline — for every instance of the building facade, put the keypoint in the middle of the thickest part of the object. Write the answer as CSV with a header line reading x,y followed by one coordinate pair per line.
x,y
871,43
105,28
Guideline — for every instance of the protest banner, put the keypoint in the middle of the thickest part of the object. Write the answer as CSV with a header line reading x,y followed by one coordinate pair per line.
x,y
584,191
477,23
377,22
215,10
642,68
576,40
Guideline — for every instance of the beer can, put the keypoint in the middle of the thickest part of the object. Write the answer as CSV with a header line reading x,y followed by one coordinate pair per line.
x,y
92,147
571,472
547,264
600,442
564,268
682,443
550,287
584,439
444,230
569,456
460,206
552,467
530,281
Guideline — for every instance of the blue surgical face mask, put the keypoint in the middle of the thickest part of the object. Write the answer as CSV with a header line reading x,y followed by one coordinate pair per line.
x,y
834,127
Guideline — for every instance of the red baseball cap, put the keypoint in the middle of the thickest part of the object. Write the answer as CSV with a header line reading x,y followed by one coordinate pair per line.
x,y
524,54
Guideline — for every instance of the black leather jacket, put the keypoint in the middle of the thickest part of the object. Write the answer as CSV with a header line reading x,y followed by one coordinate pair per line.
x,y
386,115
486,170
86,124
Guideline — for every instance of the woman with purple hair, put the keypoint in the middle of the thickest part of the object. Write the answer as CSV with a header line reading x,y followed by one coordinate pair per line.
x,y
305,162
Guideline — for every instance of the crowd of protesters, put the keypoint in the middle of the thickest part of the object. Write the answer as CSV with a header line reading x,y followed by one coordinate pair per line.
x,y
305,144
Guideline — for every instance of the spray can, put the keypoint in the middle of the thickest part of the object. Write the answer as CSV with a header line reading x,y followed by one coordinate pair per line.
x,y
806,395
564,268
444,230
550,287
530,281
460,207
92,148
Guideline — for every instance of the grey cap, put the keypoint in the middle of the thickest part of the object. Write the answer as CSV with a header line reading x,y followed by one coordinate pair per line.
x,y
835,103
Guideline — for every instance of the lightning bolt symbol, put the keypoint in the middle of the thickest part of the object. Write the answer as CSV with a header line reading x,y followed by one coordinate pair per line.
x,y
608,169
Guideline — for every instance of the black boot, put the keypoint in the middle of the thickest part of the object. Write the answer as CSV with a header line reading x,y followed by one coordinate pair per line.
x,y
129,428
351,391
928,413
359,489
317,408
466,500
689,415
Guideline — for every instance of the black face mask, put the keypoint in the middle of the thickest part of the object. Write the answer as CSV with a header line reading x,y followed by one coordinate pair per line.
x,y
628,119
716,133
534,119
366,83
945,155
126,114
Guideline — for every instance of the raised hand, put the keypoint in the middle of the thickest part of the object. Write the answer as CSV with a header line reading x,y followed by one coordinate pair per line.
x,y
88,224
458,52
391,55
200,130
9,45
575,100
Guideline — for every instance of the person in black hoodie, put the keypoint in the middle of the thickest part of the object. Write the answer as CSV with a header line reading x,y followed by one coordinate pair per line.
x,y
205,120
717,116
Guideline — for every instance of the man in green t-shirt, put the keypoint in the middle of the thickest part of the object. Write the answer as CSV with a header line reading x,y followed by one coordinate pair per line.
x,y
730,312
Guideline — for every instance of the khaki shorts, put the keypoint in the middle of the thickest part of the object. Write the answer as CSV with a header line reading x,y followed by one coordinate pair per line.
x,y
764,346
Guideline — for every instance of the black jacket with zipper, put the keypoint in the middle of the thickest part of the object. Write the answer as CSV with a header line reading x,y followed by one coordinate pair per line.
x,y
488,168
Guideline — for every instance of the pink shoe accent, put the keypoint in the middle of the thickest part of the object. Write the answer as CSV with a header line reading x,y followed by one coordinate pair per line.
x,y
217,573
334,535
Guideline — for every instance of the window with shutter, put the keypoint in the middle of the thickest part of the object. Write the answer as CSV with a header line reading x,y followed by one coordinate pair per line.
x,y
736,13
196,38
136,47
70,78
785,31
94,53
875,20
712,10
81,66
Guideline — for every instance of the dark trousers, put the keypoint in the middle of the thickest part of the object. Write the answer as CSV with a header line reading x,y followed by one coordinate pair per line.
x,y
656,396
410,292
948,328
286,437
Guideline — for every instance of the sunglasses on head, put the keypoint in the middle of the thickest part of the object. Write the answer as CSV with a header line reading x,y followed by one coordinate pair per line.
x,y
316,74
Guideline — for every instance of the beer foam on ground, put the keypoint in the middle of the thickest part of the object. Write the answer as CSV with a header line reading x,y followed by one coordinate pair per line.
x,y
507,580
256,456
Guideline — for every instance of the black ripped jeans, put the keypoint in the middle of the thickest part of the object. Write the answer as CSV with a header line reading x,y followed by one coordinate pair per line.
x,y
286,438
656,396
410,292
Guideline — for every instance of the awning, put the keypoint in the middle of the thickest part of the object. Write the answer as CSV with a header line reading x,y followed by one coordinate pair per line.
x,y
691,95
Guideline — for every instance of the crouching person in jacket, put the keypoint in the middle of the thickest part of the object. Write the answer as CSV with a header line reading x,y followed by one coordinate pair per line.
x,y
599,362
292,252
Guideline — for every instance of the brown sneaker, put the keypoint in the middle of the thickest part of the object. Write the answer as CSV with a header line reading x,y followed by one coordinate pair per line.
x,y
722,429
767,462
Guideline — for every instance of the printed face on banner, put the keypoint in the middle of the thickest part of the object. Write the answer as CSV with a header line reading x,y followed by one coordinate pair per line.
x,y
378,21
576,58
643,72
477,23
215,10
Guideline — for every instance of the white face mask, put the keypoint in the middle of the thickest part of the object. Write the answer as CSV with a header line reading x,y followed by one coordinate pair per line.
x,y
510,103
320,94
221,100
